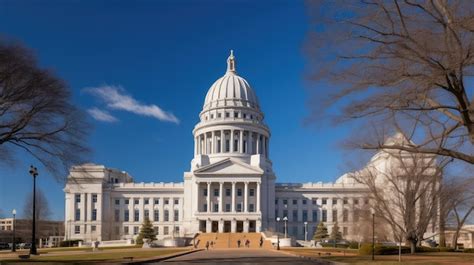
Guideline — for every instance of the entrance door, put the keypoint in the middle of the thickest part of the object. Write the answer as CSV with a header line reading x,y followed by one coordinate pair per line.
x,y
252,226
227,225
215,226
240,226
202,226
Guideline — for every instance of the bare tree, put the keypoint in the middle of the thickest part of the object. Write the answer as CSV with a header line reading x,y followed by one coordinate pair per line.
x,y
43,212
404,61
36,113
403,189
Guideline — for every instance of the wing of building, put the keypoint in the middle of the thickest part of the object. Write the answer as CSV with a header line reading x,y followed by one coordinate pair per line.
x,y
230,187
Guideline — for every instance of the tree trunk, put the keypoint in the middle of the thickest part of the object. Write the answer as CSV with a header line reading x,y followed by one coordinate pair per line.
x,y
442,229
412,246
455,239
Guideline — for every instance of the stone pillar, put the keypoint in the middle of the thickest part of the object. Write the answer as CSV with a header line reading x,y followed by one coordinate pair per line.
x,y
264,146
258,145
258,198
246,226
231,147
208,226
233,225
222,141
246,197
213,142
205,143
241,143
233,197
195,146
99,205
221,198
250,142
209,197
197,195
221,226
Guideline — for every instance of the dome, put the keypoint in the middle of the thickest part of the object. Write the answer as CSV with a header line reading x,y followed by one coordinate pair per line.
x,y
231,90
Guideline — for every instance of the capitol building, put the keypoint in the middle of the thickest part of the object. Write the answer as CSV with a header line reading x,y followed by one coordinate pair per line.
x,y
230,186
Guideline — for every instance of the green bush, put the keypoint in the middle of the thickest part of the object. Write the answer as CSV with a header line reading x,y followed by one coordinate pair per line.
x,y
468,250
446,249
366,249
353,245
70,243
427,249
331,245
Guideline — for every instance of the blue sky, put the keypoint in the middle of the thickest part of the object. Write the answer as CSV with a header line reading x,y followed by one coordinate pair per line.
x,y
167,54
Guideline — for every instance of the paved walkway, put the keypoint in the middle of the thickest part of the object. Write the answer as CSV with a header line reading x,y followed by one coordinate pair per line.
x,y
241,256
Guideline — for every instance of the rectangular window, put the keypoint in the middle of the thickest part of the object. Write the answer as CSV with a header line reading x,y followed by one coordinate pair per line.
x,y
204,192
251,207
334,215
117,201
245,147
167,216
176,201
125,230
176,230
126,216
156,215
227,114
227,207
236,145
135,230
324,201
216,207
344,201
176,215
276,201
147,214
304,202
305,215
77,229
227,192
218,146
94,215
147,201
94,198
236,114
324,216
156,230
366,201
77,198
117,215
204,208
252,192
295,215
167,201
356,215
239,207
295,202
334,201
93,228
239,192
315,201
136,201
136,215
285,202
157,201
78,215
356,201
344,231
227,145
315,216
216,192
166,230
245,115
127,201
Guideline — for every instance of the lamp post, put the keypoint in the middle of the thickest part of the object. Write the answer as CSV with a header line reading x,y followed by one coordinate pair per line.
x,y
285,219
13,236
278,233
305,231
34,173
373,236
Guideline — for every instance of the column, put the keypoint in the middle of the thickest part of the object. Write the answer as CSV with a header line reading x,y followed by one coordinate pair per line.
x,y
231,147
264,146
197,192
221,198
246,198
233,197
250,142
209,197
99,206
222,141
195,145
205,143
241,143
213,142
258,197
267,147
258,144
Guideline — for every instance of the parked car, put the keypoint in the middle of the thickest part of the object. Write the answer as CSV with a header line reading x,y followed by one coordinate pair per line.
x,y
25,245
4,245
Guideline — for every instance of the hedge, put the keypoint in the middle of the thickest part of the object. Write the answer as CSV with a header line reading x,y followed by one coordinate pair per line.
x,y
468,250
331,245
366,249
70,243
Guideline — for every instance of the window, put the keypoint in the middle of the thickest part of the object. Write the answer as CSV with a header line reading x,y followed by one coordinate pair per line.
x,y
212,116
345,215
315,216
344,231
176,201
334,201
304,202
204,192
315,201
176,215
276,201
156,230
167,201
239,207
127,201
135,230
216,192
219,146
94,215
285,202
94,228
236,114
227,114
227,207
251,116
344,201
94,198
216,207
295,202
356,215
156,215
176,230
204,208
147,214
157,201
166,230
219,115
366,201
147,201
295,215
125,230
251,207
324,216
117,215
78,214
324,201
136,215
117,201
245,147
227,145
77,198
126,216
236,144
136,201
239,192
167,216
252,192
227,192
285,213
77,229
305,215
245,115
334,215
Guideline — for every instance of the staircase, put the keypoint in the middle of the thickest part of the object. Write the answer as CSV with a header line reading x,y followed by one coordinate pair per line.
x,y
229,240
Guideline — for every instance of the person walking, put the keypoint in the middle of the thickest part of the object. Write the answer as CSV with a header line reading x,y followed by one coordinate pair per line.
x,y
238,243
247,243
207,245
261,241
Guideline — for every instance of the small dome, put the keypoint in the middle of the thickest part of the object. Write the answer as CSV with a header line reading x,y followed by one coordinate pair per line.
x,y
231,90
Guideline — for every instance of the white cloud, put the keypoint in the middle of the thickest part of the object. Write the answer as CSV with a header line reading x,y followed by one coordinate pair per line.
x,y
101,115
116,98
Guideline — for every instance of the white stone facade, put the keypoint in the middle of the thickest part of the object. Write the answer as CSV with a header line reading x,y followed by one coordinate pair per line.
x,y
230,186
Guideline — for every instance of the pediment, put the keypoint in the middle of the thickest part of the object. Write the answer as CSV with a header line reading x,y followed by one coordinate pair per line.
x,y
228,166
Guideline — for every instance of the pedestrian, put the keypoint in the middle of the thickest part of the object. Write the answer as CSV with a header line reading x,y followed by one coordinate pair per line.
x,y
261,241
238,243
247,243
212,244
207,245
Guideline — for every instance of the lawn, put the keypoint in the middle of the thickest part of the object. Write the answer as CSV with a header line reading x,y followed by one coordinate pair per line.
x,y
351,257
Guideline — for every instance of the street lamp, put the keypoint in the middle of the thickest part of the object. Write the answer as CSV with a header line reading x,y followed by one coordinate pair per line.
x,y
13,236
34,173
373,236
278,233
305,231
285,219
